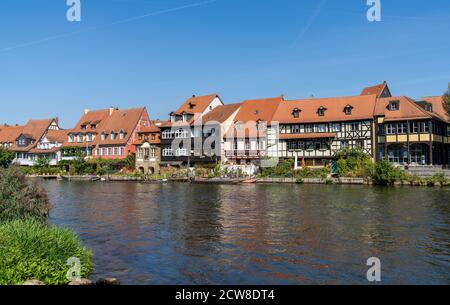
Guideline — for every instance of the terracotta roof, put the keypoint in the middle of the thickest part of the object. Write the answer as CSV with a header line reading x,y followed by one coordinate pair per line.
x,y
97,117
34,129
59,136
362,108
377,90
307,136
196,104
409,109
120,121
221,113
150,129
438,108
260,109
9,134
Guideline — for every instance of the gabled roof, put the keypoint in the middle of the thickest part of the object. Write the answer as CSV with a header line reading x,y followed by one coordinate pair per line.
x,y
9,134
378,90
220,114
438,108
258,110
120,121
362,108
59,136
196,104
97,117
409,109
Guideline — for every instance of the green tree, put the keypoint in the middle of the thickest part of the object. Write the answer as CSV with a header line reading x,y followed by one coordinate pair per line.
x,y
446,101
6,157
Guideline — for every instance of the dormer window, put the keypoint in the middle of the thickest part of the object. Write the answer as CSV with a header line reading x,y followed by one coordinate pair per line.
x,y
103,136
94,126
71,138
112,135
296,113
191,105
348,110
394,105
83,127
238,127
256,112
261,126
122,135
321,111
429,107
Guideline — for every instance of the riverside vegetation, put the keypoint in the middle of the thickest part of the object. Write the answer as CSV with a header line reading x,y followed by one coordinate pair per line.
x,y
29,247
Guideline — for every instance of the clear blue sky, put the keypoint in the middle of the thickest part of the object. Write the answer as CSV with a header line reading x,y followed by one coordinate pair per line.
x,y
240,49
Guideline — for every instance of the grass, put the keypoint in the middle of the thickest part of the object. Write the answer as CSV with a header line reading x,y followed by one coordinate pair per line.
x,y
30,249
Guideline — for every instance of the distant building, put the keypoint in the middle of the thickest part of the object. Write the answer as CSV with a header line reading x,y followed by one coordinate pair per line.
x,y
37,139
148,149
108,133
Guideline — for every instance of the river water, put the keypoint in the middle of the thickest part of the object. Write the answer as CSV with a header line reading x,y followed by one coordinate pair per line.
x,y
257,234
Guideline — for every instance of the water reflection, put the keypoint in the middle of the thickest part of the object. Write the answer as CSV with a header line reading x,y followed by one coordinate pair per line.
x,y
257,234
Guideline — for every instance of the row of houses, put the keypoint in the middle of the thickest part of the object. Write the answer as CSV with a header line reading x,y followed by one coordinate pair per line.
x,y
251,133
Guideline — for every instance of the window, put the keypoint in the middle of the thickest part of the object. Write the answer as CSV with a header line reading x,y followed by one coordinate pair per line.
x,y
321,111
247,144
359,144
104,152
122,135
335,127
167,152
116,151
426,127
354,126
167,134
402,128
109,151
390,129
260,145
414,127
321,128
292,145
89,137
261,126
103,136
238,126
181,133
152,152
309,128
429,107
71,138
80,139
112,135
122,151
296,129
345,144
394,105
181,152
83,127
296,113
235,145
93,126
153,136
348,110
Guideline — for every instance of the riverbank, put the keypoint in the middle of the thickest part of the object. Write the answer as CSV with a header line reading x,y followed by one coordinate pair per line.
x,y
437,181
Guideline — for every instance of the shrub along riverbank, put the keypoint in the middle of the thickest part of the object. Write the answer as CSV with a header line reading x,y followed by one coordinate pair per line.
x,y
29,247
353,163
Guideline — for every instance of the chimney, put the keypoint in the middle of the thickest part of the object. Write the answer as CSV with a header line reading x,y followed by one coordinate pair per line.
x,y
112,109
86,111
193,95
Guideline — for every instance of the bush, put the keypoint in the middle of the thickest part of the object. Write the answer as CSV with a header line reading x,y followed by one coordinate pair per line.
x,y
20,199
6,157
31,250
353,163
384,173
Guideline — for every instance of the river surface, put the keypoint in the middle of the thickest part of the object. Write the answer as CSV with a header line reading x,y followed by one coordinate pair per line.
x,y
257,234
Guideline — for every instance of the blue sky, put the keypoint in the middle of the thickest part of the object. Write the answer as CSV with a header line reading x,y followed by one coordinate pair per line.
x,y
156,53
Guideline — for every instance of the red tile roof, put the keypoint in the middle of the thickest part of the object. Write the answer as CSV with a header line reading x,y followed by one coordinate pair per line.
x,y
9,134
362,109
196,104
59,136
377,90
438,108
259,109
97,117
220,114
409,109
